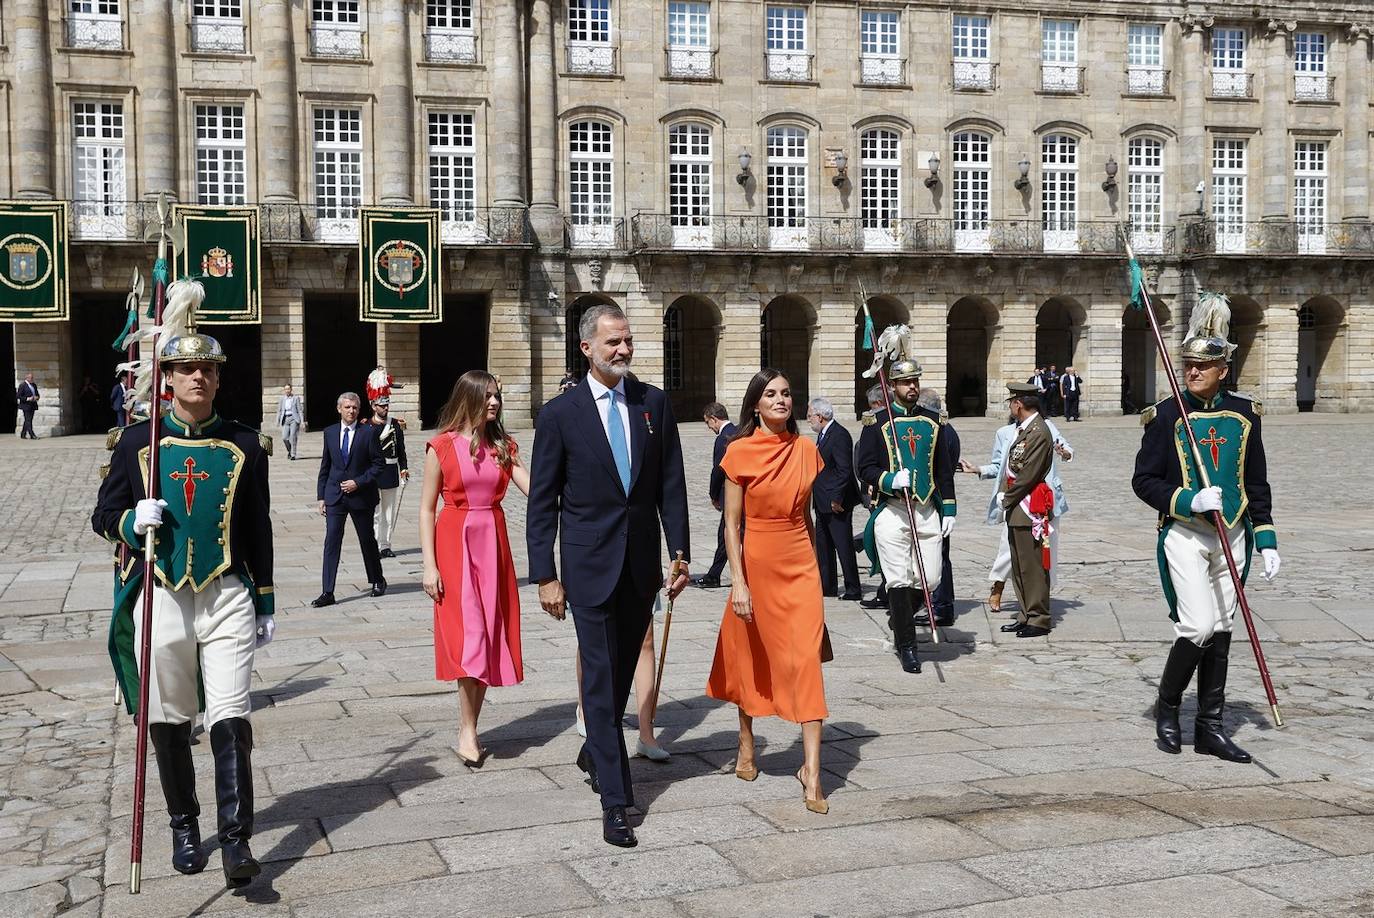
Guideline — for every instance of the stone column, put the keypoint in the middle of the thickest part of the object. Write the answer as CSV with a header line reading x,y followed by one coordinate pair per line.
x,y
510,342
33,115
832,352
1280,369
548,318
395,110
1011,349
740,346
543,106
155,77
507,153
931,344
644,308
283,344
1355,200
1192,72
1102,370
277,135
1278,73
44,349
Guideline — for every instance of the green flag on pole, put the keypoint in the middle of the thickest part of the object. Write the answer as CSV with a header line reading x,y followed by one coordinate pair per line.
x,y
223,251
33,261
1137,282
868,331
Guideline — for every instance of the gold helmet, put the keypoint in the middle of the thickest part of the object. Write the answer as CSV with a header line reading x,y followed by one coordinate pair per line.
x,y
1209,327
904,369
191,347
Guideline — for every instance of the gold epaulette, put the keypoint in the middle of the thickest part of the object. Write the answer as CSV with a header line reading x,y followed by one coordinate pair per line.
x,y
104,471
265,442
1147,415
1256,405
944,418
112,438
868,419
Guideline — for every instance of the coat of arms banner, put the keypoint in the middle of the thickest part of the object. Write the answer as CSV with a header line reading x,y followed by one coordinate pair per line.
x,y
34,283
223,252
399,266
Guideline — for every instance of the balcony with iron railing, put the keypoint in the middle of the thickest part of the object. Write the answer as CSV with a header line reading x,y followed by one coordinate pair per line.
x,y
450,46
217,35
1233,84
788,66
95,31
1312,87
690,63
595,233
136,221
592,58
1278,237
1147,81
882,70
974,75
1061,78
346,41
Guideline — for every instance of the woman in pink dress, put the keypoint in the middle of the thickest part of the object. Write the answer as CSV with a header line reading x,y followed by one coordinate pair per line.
x,y
469,572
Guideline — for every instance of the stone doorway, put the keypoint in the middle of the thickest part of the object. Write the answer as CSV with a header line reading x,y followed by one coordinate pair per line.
x,y
1321,355
97,319
9,419
450,348
886,311
968,346
691,333
340,350
240,395
786,328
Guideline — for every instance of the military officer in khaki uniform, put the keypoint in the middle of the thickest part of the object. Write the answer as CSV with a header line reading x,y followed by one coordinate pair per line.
x,y
1029,519
213,599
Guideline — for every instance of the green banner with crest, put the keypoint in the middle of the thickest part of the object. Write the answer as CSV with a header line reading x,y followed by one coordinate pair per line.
x,y
399,266
224,253
34,285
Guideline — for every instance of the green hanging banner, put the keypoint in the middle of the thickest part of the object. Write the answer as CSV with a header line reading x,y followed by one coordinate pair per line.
x,y
34,285
399,266
224,253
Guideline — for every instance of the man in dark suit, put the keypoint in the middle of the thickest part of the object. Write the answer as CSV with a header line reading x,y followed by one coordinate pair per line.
x,y
1071,389
347,487
117,395
834,494
607,467
718,419
26,395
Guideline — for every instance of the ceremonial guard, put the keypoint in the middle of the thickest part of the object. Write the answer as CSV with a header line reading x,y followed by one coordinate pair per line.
x,y
212,600
390,432
905,452
1192,562
1028,502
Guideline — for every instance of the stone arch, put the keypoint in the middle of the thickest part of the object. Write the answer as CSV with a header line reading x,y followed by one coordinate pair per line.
x,y
1061,334
692,326
1322,364
572,338
970,327
886,310
1140,370
787,331
1247,334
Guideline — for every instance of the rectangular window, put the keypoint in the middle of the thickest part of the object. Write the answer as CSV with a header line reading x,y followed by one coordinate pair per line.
x,y
1228,193
335,12
448,14
1145,193
878,33
217,25
1228,49
449,35
95,24
689,181
787,187
217,9
336,28
98,152
589,21
880,188
1309,195
1309,53
1059,41
452,166
1145,45
591,200
786,28
94,7
338,136
689,25
972,191
221,171
971,38
1059,194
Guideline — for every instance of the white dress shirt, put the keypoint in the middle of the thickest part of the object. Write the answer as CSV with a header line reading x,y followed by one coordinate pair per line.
x,y
601,394
1027,422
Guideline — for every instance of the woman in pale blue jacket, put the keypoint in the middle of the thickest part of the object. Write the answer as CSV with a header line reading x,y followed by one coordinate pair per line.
x,y
1001,567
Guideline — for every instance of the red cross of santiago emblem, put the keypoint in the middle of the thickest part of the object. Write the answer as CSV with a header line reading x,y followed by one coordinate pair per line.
x,y
189,479
911,438
1214,442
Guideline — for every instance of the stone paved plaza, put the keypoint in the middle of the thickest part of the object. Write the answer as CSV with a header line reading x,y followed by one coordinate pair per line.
x,y
1010,778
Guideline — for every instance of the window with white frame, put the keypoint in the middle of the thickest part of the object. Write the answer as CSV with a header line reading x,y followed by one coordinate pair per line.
x,y
689,183
880,185
1311,83
452,166
1059,55
338,147
449,33
98,168
336,28
589,37
788,54
1145,192
672,349
1059,191
972,189
1229,79
880,46
94,24
1228,192
689,39
971,52
1309,191
787,185
221,155
217,25
591,200
1145,58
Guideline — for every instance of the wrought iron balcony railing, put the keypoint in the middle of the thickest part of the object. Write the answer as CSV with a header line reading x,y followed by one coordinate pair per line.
x,y
690,63
974,75
593,58
1063,78
1233,84
1309,87
1278,237
329,39
875,70
1147,81
600,234
217,35
95,31
787,66
449,45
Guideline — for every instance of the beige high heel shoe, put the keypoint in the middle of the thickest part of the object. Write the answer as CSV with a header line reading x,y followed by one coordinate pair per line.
x,y
815,806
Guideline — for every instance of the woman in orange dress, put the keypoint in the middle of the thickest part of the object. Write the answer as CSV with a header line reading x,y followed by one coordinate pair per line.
x,y
768,655
469,571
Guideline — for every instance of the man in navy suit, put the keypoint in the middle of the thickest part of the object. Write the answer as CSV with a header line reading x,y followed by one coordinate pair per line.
x,y
718,419
606,469
834,494
347,487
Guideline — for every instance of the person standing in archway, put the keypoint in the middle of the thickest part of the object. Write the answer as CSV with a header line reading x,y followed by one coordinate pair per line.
x,y
1070,390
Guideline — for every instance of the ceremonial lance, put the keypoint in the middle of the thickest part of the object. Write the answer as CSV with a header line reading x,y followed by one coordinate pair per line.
x,y
1140,299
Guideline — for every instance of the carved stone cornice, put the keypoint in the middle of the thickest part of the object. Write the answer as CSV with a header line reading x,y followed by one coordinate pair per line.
x,y
1359,30
1195,22
1280,27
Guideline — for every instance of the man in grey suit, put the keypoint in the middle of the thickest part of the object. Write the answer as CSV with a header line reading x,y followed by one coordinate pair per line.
x,y
290,418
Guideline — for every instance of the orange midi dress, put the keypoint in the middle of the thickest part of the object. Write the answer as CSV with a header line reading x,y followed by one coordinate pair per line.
x,y
772,665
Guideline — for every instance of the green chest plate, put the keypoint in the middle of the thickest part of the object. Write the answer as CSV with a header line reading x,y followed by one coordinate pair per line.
x,y
198,479
1222,438
911,445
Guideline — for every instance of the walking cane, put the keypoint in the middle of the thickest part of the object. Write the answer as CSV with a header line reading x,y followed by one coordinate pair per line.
x,y
673,570
160,274
906,493
1138,281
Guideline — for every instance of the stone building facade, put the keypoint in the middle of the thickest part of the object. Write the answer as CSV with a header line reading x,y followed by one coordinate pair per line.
x,y
738,175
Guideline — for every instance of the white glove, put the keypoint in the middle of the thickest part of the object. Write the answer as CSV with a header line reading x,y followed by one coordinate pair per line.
x,y
1207,500
901,479
997,502
946,526
1271,563
267,629
147,515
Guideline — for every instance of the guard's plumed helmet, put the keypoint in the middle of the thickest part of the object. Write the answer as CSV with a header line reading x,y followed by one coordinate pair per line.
x,y
904,369
191,347
1208,330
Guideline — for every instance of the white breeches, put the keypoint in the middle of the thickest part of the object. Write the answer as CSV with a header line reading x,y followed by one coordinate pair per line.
x,y
384,517
1001,565
892,534
215,628
1206,597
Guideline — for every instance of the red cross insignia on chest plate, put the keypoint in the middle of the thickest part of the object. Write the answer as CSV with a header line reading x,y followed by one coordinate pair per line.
x,y
189,479
1214,442
911,438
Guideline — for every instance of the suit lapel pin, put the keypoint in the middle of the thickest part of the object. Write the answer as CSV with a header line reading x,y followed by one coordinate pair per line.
x,y
648,424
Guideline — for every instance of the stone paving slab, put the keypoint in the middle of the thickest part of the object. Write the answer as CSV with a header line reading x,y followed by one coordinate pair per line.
x,y
1194,896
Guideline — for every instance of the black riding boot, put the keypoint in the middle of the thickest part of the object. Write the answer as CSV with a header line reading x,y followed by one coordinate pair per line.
x,y
1178,672
901,608
172,746
1208,736
232,742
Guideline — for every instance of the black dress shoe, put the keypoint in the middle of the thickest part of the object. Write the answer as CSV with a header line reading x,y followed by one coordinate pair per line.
x,y
851,597
906,654
1012,626
584,762
379,588
324,599
615,828
1032,631
874,603
386,553
706,583
941,621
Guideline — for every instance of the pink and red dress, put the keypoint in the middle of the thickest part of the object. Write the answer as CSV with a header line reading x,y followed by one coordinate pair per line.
x,y
477,617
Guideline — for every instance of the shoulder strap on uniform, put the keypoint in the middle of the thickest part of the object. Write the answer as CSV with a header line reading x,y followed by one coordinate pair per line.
x,y
1255,404
1147,415
265,442
112,438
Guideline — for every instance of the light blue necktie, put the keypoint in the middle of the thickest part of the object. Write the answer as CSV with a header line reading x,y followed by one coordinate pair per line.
x,y
619,448
348,438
